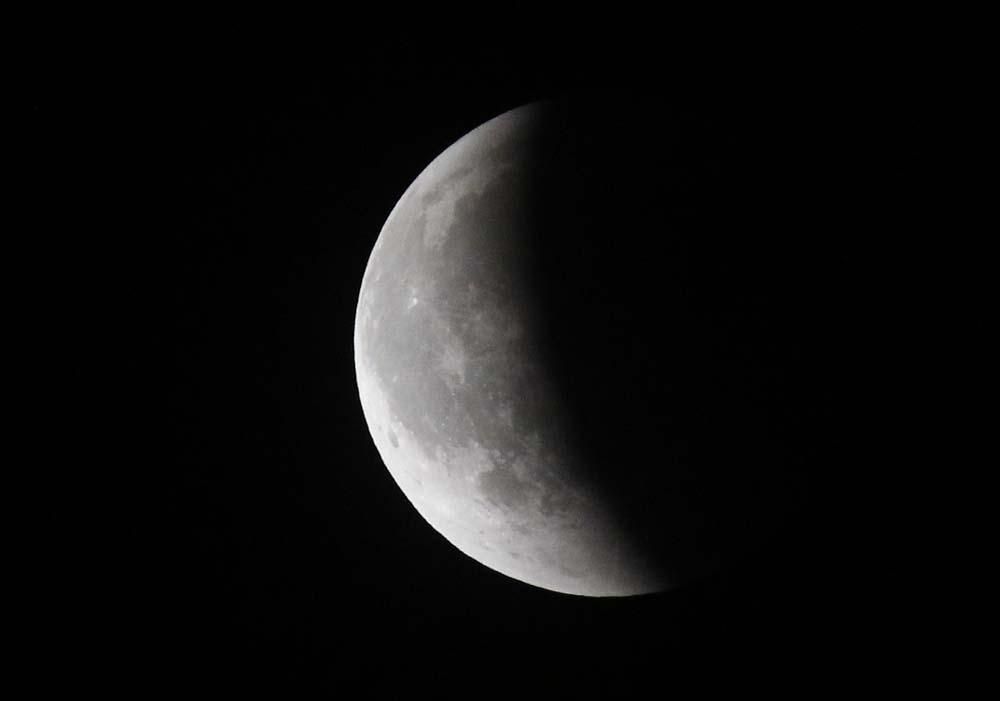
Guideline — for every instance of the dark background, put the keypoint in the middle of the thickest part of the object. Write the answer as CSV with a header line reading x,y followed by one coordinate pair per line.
x,y
287,558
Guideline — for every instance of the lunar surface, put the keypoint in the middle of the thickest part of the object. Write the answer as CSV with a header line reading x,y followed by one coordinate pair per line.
x,y
457,390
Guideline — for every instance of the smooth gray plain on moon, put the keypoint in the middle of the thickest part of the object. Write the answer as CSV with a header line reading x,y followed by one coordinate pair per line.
x,y
455,390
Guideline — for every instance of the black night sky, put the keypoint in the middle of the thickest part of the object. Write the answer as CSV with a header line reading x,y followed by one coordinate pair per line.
x,y
287,558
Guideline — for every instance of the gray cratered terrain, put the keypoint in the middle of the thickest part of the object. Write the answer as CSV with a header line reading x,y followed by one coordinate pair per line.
x,y
455,386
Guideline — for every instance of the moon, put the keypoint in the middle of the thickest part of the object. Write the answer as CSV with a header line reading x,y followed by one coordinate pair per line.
x,y
456,385
584,347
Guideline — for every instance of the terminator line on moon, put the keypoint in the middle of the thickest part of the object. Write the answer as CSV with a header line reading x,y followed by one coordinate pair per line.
x,y
454,387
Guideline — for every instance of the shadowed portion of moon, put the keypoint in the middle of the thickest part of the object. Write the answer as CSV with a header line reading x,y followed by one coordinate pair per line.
x,y
567,349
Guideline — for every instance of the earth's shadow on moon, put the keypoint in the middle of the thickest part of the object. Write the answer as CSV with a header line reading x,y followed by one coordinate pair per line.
x,y
682,313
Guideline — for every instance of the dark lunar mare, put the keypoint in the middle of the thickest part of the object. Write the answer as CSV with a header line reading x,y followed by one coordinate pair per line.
x,y
677,267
